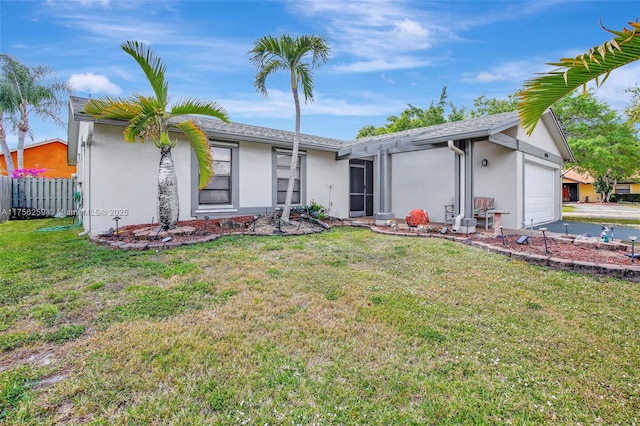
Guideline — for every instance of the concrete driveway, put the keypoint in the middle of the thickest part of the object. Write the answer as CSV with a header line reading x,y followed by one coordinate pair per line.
x,y
601,211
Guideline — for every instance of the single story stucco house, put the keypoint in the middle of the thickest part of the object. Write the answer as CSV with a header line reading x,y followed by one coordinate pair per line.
x,y
383,176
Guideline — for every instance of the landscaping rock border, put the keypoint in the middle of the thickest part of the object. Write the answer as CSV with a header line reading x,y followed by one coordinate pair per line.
x,y
628,272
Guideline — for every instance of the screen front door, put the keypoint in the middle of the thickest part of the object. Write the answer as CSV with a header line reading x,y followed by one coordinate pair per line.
x,y
361,188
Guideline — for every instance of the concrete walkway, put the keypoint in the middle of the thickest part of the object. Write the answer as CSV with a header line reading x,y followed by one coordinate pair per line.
x,y
600,211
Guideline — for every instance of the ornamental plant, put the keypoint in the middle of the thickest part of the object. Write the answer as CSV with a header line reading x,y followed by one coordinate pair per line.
x,y
25,173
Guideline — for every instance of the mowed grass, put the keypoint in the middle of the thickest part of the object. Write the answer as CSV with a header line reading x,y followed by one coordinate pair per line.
x,y
343,327
618,221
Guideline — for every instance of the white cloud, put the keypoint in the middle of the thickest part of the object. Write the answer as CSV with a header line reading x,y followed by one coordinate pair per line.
x,y
383,64
94,84
514,71
373,32
613,91
368,33
279,104
91,3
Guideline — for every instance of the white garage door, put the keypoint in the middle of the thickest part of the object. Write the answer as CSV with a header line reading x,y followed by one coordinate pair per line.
x,y
539,194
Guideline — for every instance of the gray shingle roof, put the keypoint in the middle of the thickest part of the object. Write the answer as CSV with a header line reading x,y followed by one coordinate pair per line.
x,y
235,131
447,130
238,131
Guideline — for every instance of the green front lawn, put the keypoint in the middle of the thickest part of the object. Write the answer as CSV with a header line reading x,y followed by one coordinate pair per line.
x,y
343,327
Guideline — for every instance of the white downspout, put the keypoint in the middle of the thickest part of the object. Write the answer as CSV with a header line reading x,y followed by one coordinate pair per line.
x,y
460,153
86,178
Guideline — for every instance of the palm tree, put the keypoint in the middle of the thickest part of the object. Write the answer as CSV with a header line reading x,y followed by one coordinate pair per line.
x,y
7,105
33,90
286,53
149,118
541,92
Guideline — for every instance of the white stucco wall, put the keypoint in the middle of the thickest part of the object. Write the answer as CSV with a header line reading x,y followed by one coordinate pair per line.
x,y
328,182
499,179
422,180
256,174
120,179
541,138
124,180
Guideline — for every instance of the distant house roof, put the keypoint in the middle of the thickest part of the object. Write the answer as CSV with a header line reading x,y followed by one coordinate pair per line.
x,y
37,144
573,175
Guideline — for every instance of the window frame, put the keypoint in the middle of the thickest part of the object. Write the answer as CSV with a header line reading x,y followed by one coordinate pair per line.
x,y
302,170
232,206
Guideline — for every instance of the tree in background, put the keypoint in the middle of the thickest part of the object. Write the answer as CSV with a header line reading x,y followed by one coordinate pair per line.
x,y
543,91
605,146
286,53
7,106
484,106
30,91
414,117
633,110
149,118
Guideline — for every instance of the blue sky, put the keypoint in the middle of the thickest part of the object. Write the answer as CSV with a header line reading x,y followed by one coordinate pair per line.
x,y
385,54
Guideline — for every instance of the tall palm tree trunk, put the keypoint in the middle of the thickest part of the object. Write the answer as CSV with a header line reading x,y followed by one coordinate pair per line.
x,y
5,148
294,160
23,129
168,201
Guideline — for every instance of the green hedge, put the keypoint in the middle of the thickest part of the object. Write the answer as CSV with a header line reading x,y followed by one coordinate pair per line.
x,y
632,198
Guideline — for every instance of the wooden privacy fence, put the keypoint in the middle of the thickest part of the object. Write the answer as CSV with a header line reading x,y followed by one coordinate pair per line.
x,y
41,197
5,198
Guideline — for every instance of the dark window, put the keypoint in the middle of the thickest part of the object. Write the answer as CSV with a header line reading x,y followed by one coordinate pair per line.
x,y
623,189
283,164
218,190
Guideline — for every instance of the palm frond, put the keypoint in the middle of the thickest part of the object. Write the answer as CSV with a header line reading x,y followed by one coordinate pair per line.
x,y
145,125
152,67
264,49
305,77
112,108
543,91
200,144
199,107
268,68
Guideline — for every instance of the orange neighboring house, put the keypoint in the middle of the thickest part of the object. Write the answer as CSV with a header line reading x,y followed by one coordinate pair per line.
x,y
50,154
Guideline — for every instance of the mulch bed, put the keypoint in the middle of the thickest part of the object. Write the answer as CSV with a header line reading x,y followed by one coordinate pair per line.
x,y
560,251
